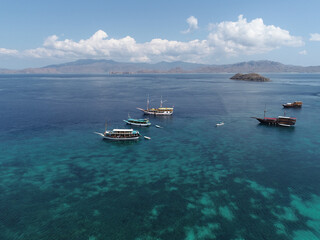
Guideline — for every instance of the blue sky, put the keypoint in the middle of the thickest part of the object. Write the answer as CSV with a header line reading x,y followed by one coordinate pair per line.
x,y
37,33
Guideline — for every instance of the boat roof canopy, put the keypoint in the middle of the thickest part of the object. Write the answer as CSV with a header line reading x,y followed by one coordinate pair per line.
x,y
138,120
122,130
286,117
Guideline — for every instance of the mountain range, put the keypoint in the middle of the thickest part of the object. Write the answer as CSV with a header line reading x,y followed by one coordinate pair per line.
x,y
91,66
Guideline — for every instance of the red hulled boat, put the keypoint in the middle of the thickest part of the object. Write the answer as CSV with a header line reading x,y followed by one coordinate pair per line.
x,y
279,121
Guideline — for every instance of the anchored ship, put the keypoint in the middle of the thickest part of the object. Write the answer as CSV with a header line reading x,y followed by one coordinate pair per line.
x,y
296,104
157,111
138,122
279,121
120,134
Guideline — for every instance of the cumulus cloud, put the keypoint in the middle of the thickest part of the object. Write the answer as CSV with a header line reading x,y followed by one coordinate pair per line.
x,y
6,51
303,52
224,39
193,24
314,37
124,49
243,37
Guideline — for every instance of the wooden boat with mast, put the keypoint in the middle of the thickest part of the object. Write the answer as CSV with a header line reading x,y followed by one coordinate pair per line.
x,y
164,111
120,134
283,121
296,104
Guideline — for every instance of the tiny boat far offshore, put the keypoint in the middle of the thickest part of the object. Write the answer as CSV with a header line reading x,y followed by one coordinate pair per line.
x,y
138,122
283,121
120,134
164,111
219,124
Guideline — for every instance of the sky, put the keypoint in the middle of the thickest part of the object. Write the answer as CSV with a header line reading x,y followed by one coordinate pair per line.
x,y
36,33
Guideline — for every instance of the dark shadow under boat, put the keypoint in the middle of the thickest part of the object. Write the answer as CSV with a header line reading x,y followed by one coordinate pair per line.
x,y
284,129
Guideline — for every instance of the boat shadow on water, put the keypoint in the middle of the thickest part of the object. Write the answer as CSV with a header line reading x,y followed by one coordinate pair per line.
x,y
117,143
279,128
160,119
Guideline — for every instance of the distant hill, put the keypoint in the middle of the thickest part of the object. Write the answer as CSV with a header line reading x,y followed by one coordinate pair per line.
x,y
260,66
92,66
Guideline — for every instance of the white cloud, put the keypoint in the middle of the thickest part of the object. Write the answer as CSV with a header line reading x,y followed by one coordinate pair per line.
x,y
314,37
124,49
303,52
225,39
6,51
193,24
242,37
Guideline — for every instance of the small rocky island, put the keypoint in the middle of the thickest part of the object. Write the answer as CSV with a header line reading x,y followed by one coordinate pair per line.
x,y
250,77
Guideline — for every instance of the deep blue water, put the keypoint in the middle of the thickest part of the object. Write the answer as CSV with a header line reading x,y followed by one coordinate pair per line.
x,y
192,180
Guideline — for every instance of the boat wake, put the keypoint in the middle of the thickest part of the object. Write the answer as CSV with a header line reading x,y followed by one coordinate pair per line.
x,y
101,134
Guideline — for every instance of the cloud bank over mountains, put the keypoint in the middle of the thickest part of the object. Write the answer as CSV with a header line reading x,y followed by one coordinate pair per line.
x,y
224,39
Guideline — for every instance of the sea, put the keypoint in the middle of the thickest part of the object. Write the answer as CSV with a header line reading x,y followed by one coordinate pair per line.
x,y
191,181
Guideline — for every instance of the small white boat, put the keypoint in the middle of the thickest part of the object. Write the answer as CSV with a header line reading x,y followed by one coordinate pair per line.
x,y
146,137
220,124
157,126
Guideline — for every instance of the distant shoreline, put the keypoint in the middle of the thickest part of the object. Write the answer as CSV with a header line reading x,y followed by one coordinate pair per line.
x,y
135,74
109,67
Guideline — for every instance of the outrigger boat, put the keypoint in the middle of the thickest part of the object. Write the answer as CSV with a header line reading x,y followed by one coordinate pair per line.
x,y
138,122
120,134
296,104
279,121
157,111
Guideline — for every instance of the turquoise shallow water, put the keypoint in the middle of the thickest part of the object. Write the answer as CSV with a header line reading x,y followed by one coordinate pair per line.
x,y
192,180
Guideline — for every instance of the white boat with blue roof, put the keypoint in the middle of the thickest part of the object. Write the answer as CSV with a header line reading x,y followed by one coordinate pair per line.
x,y
138,122
120,134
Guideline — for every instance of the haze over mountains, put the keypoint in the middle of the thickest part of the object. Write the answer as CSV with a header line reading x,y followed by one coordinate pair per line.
x,y
91,66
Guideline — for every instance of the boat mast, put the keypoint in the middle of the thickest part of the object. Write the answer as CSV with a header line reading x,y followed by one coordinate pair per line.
x,y
265,110
148,101
161,102
105,127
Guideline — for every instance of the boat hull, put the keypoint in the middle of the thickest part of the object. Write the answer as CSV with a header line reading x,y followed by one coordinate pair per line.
x,y
269,121
118,137
156,113
121,138
284,122
296,104
138,124
290,106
